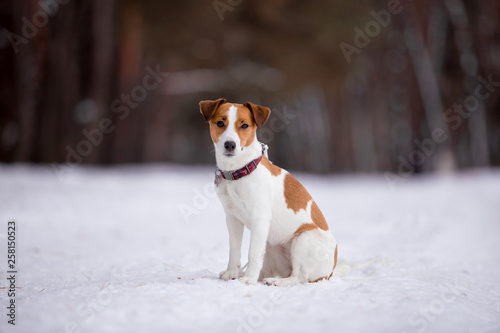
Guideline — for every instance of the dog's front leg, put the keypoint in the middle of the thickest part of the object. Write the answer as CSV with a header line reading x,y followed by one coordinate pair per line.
x,y
258,242
235,229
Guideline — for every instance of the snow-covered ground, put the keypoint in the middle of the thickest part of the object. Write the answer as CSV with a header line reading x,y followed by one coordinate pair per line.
x,y
139,249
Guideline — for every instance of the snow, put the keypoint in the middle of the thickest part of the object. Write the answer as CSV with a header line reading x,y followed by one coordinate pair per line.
x,y
108,250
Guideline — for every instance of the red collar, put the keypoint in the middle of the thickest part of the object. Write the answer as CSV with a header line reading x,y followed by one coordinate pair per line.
x,y
237,174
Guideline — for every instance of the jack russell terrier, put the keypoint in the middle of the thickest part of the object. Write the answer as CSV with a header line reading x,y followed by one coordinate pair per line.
x,y
290,242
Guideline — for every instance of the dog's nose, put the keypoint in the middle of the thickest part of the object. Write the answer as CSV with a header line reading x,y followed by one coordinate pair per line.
x,y
229,145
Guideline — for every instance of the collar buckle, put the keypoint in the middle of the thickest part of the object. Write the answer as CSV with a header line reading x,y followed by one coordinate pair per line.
x,y
240,173
228,175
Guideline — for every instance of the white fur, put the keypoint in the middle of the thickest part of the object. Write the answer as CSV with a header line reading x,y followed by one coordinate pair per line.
x,y
257,201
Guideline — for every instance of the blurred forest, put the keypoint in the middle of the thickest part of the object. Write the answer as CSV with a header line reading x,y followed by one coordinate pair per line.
x,y
354,86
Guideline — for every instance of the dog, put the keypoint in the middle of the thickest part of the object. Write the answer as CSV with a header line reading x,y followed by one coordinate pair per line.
x,y
290,241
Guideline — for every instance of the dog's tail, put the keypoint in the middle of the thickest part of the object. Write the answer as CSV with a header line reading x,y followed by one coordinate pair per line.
x,y
342,269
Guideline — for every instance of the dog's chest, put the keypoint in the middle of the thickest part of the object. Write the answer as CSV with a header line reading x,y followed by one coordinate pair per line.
x,y
236,201
245,198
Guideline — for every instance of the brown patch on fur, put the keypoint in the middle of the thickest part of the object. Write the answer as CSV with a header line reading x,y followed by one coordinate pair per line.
x,y
273,169
260,113
208,108
335,264
305,227
219,115
244,116
318,217
296,196
322,278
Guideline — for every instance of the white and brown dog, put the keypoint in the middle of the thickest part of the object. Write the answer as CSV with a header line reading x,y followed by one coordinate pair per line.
x,y
290,242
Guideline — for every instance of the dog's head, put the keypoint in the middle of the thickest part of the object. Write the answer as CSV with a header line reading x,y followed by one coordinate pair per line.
x,y
233,126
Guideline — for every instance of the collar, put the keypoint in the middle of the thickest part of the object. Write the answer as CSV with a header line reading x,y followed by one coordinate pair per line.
x,y
237,174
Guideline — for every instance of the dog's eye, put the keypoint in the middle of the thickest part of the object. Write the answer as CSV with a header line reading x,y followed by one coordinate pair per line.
x,y
220,123
244,126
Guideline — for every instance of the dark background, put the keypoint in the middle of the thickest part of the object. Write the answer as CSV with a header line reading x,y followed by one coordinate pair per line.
x,y
65,68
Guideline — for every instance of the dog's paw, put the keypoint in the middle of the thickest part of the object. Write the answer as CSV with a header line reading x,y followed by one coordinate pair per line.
x,y
282,282
229,274
269,281
248,280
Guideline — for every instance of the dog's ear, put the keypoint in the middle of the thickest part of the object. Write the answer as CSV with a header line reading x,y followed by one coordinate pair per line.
x,y
208,108
260,113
